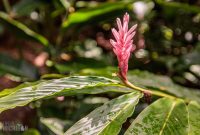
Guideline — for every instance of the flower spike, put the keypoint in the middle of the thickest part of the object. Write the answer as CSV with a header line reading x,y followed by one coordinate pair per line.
x,y
122,47
123,44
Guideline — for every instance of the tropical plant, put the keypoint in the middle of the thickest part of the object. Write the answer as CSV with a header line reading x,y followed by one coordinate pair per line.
x,y
131,103
171,113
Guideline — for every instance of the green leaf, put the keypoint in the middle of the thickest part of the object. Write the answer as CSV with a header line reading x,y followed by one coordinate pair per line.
x,y
144,79
163,84
194,118
22,30
163,117
95,14
58,87
107,119
6,92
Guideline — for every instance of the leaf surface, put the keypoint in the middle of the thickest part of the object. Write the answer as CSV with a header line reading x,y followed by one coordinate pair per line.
x,y
74,85
162,83
150,81
95,14
107,119
163,117
194,118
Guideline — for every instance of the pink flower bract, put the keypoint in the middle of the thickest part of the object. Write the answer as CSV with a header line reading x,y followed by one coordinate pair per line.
x,y
123,44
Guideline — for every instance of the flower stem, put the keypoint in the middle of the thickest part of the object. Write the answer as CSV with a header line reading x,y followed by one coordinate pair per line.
x,y
157,93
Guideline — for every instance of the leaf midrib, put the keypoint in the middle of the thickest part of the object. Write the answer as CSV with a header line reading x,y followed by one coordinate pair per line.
x,y
137,95
188,119
126,106
167,118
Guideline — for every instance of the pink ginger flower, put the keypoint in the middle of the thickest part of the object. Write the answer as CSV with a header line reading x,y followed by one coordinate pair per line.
x,y
123,45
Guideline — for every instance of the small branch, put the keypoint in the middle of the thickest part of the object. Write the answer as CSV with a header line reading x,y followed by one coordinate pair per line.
x,y
157,93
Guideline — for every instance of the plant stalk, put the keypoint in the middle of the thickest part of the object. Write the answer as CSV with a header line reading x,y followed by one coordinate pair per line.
x,y
157,93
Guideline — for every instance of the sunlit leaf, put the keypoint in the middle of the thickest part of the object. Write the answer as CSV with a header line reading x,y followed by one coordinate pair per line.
x,y
95,14
107,119
162,83
58,87
194,118
163,117
6,92
150,81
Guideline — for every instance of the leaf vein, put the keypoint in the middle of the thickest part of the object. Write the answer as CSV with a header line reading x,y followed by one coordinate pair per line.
x,y
167,118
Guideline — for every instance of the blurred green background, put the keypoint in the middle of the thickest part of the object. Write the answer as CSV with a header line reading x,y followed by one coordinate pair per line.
x,y
53,38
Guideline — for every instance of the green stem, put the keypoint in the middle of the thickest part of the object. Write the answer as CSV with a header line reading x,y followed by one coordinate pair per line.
x,y
157,93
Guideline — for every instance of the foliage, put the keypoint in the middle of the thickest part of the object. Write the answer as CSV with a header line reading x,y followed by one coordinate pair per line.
x,y
108,118
79,92
166,116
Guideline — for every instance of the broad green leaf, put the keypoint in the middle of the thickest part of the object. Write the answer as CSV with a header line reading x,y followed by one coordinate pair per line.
x,y
163,84
95,14
163,117
144,79
194,118
58,87
107,119
6,92
22,30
